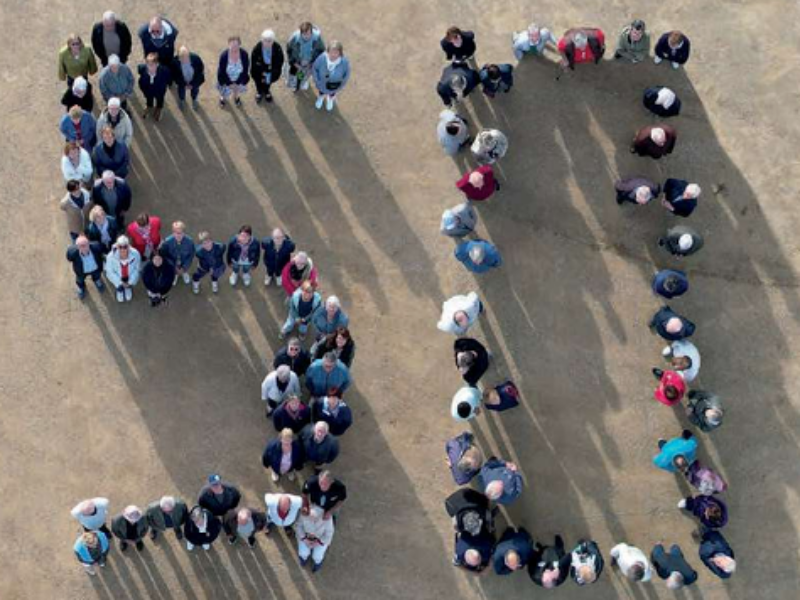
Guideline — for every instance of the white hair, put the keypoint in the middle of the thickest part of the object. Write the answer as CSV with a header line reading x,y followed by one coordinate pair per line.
x,y
730,566
283,371
113,60
533,27
666,97
692,190
123,241
167,501
109,15
268,35
108,174
685,242
114,103
333,301
581,39
658,135
80,84
322,425
477,253
675,580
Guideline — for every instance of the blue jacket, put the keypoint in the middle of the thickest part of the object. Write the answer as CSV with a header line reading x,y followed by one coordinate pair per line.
x,y
82,552
519,540
682,283
491,259
495,470
668,563
116,158
198,77
325,327
679,55
659,324
271,459
88,130
124,197
275,260
455,449
74,256
181,255
159,85
319,383
331,81
324,452
676,447
235,251
673,190
713,543
166,51
503,84
294,306
210,259
337,423
222,74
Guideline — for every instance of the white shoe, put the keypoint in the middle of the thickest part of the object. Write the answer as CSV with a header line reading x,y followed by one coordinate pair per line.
x,y
215,286
267,280
657,60
290,476
206,547
306,84
120,296
275,477
90,571
189,546
187,279
246,279
196,287
329,102
128,294
319,102
676,65
233,279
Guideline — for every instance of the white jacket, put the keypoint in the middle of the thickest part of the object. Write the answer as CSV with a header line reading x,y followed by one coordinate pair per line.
x,y
685,348
83,172
470,304
295,504
626,556
114,266
270,390
123,132
315,526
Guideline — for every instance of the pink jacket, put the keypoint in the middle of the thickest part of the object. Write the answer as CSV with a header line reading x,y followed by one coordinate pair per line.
x,y
290,286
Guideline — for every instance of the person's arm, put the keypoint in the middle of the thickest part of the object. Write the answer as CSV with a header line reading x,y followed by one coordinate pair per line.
x,y
92,63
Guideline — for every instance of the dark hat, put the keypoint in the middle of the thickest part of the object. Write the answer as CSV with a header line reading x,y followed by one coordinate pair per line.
x,y
638,25
214,478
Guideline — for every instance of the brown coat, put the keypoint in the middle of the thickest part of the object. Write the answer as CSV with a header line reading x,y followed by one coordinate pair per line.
x,y
77,219
643,145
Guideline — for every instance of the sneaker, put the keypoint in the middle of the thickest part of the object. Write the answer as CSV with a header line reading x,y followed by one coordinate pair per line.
x,y
215,286
195,105
319,102
275,477
128,294
196,287
206,547
81,293
189,546
186,278
246,279
238,102
290,476
140,545
259,98
676,65
657,60
233,279
303,561
90,571
306,83
267,280
120,296
329,102
316,567
101,287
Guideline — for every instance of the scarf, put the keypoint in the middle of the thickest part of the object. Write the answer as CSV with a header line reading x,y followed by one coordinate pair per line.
x,y
148,242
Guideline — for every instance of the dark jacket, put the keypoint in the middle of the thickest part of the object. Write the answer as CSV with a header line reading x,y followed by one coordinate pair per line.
x,y
74,256
681,281
258,67
158,280
155,515
93,232
465,501
199,77
219,505
125,41
123,198
322,453
338,423
299,364
281,418
626,189
463,52
158,87
222,75
643,145
483,542
68,100
666,564
271,458
127,532
659,324
713,544
649,101
455,449
115,158
445,90
235,251
493,86
231,524
275,260
519,540
193,534
673,190
543,559
210,259
347,354
585,550
679,55
671,240
699,402
165,51
698,506
481,364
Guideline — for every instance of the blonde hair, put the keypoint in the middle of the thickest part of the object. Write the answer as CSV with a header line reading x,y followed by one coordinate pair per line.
x,y
179,225
90,539
75,112
96,212
287,434
203,236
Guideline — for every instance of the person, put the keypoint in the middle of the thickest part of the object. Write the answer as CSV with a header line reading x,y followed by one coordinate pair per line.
x,y
188,73
130,527
458,45
266,65
76,205
676,454
672,567
111,155
331,73
79,126
473,551
717,554
452,131
681,241
323,491
513,551
218,496
145,234
634,43
294,355
327,375
586,562
654,141
456,83
77,164
92,514
500,481
158,37
501,397
674,47
123,264
334,411
705,480
330,320
244,523
111,37
154,79
87,261
278,250
114,195
636,190
78,94
210,259
283,455
684,357
670,325
179,249
671,387
532,42
478,256
300,268
314,535
277,386
201,529
282,511
116,81
119,122
581,45
459,313
292,414
341,343
158,277
549,565
680,197
709,510
704,410
75,60
233,72
670,283
632,562
91,548
459,220
470,511
167,513
496,79
302,50
319,445
490,145
304,305
466,403
479,184
243,255
472,360
102,228
661,101
464,458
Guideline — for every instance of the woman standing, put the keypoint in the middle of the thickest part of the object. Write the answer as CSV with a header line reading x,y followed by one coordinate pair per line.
x,y
331,74
77,164
233,72
102,228
91,548
284,455
80,94
79,126
117,118
299,269
145,234
76,206
267,64
188,73
154,79
122,268
201,528
75,60
340,343
158,277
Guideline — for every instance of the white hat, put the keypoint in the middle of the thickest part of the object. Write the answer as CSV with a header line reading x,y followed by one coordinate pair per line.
x,y
658,136
267,34
685,242
79,85
666,97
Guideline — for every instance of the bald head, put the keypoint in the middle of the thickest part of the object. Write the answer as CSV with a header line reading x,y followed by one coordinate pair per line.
x,y
550,578
513,560
675,581
243,516
674,325
587,574
494,490
659,136
284,503
724,562
472,558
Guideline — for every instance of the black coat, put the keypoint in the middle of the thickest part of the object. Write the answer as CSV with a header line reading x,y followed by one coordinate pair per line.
x,y
462,53
275,260
337,424
258,67
281,418
271,458
222,74
68,100
158,280
649,101
543,559
346,356
673,192
123,197
671,240
159,85
167,50
679,55
125,42
74,256
193,534
659,324
219,505
199,67
231,524
93,233
712,544
481,364
299,364
445,90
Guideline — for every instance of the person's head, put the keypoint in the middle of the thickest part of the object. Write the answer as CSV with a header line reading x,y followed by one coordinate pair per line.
x,y
300,260
472,557
465,360
671,283
283,373
76,114
477,253
659,136
109,179
453,36
675,39
156,26
680,462
674,325
512,560
637,30
293,401
284,503
88,508
132,513
143,219
713,513
152,62
329,361
550,578
494,489
471,460
74,187
335,50
90,539
79,87
692,191
215,482
643,194
179,230
97,215
123,246
307,291
113,63
325,480
332,305
306,30
587,573
245,234
713,416
666,97
234,43
278,237
493,71
333,399
205,240
267,38
74,43
685,242
476,179
671,392
581,40
461,318
243,516
184,55
157,259
293,347
114,106
636,572
681,363
458,83
342,336
321,429
490,396
72,150
316,513
82,242
534,34
167,503
107,134
724,562
198,516
109,20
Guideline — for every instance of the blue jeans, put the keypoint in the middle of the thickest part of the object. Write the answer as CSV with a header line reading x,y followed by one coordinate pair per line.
x,y
237,268
216,273
302,328
81,281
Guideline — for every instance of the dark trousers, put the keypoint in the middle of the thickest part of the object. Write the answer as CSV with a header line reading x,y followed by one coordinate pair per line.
x,y
104,529
96,275
216,273
182,92
157,100
262,87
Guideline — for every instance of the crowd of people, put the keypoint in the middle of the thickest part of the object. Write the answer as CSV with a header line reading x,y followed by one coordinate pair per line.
x,y
310,418
498,482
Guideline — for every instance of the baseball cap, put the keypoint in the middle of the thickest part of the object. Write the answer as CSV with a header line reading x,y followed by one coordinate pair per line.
x,y
214,478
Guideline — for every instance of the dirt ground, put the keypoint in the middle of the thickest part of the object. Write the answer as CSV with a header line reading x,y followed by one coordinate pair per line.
x,y
132,403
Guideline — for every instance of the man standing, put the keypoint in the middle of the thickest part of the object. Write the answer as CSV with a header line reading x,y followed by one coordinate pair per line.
x,y
681,241
704,410
167,513
324,491
673,567
114,195
654,141
130,527
670,284
327,375
244,523
501,481
87,261
319,446
717,554
549,566
478,256
294,356
218,497
459,313
91,514
111,37
282,511
670,325
680,197
631,562
158,36
513,551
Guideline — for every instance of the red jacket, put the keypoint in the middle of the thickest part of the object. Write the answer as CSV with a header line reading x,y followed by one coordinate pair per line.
x,y
593,51
290,286
481,193
137,240
674,379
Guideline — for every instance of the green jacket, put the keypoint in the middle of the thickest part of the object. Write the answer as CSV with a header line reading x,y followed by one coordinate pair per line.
x,y
155,516
119,526
633,51
69,66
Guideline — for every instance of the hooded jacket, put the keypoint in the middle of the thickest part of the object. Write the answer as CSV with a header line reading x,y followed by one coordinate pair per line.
x,y
113,267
